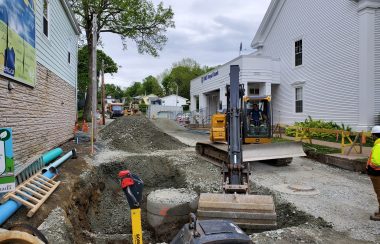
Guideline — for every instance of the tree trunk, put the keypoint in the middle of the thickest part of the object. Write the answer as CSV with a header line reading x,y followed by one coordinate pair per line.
x,y
88,103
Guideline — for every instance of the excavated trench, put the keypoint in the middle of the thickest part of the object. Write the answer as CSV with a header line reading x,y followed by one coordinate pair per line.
x,y
100,212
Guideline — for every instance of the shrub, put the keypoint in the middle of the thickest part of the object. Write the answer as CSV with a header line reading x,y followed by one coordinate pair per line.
x,y
310,123
143,107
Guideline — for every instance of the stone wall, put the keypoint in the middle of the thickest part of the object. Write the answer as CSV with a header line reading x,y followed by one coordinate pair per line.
x,y
41,118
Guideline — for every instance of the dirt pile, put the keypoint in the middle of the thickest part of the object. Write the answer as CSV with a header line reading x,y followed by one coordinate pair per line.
x,y
137,134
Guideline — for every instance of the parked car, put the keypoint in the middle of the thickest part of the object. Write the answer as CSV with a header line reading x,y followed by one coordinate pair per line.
x,y
115,110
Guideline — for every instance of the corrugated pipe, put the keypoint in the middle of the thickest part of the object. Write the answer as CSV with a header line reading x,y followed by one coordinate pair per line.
x,y
10,207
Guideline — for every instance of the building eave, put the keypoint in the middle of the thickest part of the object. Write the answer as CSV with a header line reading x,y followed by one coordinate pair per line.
x,y
71,16
267,23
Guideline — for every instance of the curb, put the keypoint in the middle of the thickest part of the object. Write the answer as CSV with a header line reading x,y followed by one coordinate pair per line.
x,y
343,163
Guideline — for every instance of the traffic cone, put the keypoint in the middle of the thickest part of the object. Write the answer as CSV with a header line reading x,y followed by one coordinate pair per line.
x,y
84,126
364,139
76,127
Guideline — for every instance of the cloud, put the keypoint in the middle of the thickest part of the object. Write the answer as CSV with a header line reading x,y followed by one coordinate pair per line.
x,y
208,31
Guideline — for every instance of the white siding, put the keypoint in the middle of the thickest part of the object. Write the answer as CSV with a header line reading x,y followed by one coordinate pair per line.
x,y
52,52
171,101
253,69
377,67
329,30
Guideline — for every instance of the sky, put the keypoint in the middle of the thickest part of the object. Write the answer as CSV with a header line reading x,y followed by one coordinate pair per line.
x,y
208,31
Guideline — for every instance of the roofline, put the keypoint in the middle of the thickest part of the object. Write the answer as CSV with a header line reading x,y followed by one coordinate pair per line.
x,y
71,16
233,60
174,95
267,23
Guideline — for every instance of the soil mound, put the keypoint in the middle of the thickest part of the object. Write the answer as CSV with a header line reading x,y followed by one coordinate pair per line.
x,y
137,134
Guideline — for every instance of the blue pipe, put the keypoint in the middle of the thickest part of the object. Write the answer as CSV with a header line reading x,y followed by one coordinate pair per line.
x,y
10,207
51,155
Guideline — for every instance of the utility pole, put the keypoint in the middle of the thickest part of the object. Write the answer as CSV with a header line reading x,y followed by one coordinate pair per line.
x,y
93,76
103,112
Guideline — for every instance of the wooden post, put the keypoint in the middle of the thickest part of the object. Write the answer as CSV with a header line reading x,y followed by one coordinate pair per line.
x,y
94,74
103,95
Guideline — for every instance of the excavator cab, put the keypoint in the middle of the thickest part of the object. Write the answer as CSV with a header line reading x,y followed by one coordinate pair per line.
x,y
257,120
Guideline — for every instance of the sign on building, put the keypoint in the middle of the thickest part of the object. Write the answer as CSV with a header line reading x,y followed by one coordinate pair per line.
x,y
17,40
7,178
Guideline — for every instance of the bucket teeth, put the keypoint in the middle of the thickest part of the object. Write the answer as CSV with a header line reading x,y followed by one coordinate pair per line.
x,y
256,212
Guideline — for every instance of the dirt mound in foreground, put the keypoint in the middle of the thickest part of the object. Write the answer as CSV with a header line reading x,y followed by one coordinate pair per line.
x,y
137,134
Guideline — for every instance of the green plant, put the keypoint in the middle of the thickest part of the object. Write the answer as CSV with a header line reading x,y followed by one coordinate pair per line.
x,y
143,107
310,123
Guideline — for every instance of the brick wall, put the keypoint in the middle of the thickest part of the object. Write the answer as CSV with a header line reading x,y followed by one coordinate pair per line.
x,y
41,118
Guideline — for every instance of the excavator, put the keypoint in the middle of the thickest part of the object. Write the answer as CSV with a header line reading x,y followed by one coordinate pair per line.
x,y
256,129
242,135
235,204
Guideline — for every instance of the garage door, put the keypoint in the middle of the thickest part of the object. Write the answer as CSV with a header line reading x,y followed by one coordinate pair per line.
x,y
165,115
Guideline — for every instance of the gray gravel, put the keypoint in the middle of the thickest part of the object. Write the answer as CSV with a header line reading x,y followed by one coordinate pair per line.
x,y
181,133
173,196
137,134
346,199
57,228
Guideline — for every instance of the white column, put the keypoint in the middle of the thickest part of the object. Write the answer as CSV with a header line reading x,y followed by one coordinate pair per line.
x,y
193,102
268,89
366,64
222,96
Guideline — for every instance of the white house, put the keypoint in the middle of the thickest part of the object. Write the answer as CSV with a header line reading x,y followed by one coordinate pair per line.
x,y
174,100
326,62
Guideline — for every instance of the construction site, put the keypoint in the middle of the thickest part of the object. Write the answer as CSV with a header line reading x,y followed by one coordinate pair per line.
x,y
275,143
325,205
157,181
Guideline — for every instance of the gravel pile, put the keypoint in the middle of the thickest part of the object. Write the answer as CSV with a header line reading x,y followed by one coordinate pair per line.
x,y
137,134
173,196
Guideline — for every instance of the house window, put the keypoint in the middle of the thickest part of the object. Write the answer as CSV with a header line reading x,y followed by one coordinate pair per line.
x,y
298,52
46,18
69,57
254,91
299,100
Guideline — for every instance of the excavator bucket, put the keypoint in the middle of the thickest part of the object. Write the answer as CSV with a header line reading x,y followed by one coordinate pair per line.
x,y
253,212
275,153
283,150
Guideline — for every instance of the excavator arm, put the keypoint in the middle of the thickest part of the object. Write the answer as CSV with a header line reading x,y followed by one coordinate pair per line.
x,y
235,204
235,172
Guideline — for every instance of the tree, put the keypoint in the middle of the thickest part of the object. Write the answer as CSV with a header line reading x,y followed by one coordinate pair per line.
x,y
110,67
180,75
135,90
113,91
151,86
137,20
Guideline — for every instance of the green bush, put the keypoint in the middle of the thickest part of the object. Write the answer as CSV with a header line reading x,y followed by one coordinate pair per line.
x,y
143,107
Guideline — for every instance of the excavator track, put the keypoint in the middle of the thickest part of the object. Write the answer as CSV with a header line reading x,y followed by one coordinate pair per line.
x,y
276,154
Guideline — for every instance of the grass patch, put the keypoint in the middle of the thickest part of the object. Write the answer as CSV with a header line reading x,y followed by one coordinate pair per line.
x,y
320,149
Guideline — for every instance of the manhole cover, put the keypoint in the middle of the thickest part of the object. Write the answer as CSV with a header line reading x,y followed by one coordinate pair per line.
x,y
296,189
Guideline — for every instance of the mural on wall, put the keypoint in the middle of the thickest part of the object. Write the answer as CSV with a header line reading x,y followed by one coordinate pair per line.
x,y
17,40
7,178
